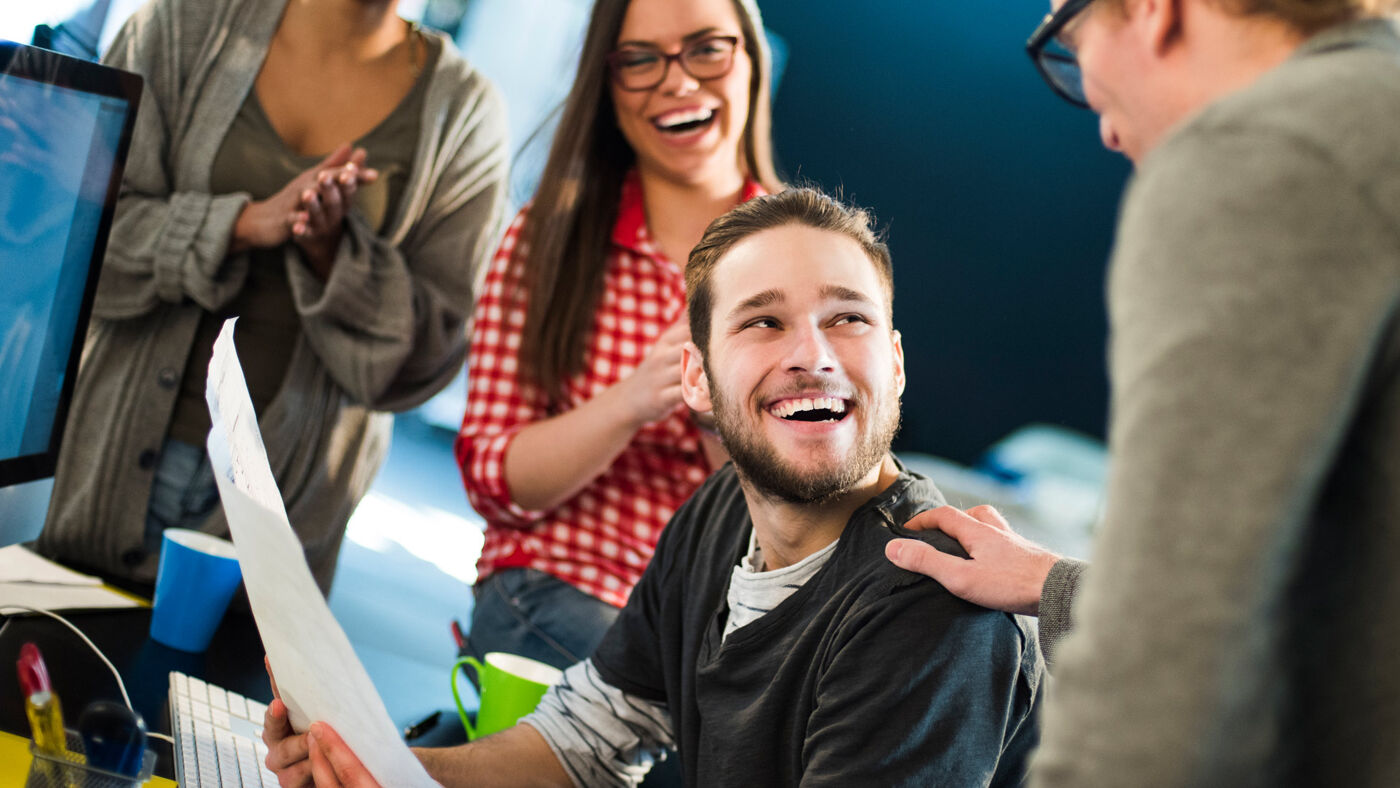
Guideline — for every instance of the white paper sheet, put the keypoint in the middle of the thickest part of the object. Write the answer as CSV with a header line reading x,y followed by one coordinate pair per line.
x,y
19,565
318,675
29,580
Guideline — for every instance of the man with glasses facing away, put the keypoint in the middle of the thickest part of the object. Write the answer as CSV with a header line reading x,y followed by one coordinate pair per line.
x,y
1237,625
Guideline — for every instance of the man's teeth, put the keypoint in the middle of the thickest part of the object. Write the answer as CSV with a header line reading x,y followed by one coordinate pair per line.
x,y
683,118
788,407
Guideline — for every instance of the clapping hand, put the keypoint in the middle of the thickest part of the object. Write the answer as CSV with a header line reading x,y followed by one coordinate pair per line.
x,y
309,211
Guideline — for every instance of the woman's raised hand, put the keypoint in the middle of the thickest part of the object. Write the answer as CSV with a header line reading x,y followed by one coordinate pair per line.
x,y
654,388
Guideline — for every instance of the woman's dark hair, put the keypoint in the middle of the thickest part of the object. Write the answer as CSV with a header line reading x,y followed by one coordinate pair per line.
x,y
564,243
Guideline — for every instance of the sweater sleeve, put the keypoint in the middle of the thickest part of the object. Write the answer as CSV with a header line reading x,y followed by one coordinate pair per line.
x,y
1056,600
600,734
952,709
165,245
1251,285
389,324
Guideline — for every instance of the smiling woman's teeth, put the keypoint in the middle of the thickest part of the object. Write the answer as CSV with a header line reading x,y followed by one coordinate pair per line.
x,y
685,121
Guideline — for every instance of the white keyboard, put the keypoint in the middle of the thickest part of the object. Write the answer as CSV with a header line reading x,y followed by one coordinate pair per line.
x,y
218,736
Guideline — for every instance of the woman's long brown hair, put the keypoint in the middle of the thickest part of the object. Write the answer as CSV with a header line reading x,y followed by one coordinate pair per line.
x,y
563,246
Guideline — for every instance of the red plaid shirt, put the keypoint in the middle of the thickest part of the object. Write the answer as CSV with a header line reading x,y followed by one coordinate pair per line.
x,y
600,540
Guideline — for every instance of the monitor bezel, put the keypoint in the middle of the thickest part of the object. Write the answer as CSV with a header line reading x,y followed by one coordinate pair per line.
x,y
52,68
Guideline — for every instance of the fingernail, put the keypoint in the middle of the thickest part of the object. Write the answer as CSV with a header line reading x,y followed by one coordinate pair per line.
x,y
894,550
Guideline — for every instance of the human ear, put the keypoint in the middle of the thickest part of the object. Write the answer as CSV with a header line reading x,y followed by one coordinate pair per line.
x,y
695,384
898,362
1162,20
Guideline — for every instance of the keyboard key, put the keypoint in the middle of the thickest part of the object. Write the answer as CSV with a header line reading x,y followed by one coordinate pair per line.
x,y
218,698
198,689
237,707
256,711
201,711
190,775
247,761
245,729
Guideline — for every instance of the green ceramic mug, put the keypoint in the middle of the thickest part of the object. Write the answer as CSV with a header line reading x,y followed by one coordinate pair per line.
x,y
509,687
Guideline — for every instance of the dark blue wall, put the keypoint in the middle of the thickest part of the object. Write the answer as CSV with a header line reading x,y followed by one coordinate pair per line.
x,y
998,198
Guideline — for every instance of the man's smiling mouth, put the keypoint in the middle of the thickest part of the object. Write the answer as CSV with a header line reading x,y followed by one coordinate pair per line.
x,y
810,409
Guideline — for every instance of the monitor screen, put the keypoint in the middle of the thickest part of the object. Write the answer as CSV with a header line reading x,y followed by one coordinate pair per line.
x,y
65,125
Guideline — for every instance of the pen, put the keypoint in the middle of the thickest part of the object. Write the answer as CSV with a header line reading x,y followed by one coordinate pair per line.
x,y
457,635
40,702
422,726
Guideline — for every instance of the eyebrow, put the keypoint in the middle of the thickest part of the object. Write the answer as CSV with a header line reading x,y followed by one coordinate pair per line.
x,y
775,296
697,35
839,293
758,301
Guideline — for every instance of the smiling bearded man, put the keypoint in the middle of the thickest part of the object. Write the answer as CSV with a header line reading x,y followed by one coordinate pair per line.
x,y
808,398
768,639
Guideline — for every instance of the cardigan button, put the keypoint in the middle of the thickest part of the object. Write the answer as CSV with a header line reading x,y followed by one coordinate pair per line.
x,y
147,459
133,557
167,378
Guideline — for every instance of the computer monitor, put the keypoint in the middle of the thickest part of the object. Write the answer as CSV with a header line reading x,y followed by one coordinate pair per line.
x,y
65,126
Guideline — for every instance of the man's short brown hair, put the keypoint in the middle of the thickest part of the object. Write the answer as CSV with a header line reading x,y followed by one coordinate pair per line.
x,y
801,206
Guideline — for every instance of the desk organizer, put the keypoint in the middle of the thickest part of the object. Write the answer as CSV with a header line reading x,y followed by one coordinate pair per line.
x,y
70,770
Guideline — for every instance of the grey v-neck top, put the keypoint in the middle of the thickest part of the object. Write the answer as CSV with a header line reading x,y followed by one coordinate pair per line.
x,y
254,159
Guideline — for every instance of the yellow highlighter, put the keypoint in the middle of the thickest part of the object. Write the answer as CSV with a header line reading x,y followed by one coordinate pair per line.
x,y
40,702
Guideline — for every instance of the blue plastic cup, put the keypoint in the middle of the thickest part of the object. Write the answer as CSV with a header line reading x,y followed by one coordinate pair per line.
x,y
197,577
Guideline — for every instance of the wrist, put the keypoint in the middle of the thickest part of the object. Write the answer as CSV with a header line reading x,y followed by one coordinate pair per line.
x,y
241,237
319,254
1034,589
623,401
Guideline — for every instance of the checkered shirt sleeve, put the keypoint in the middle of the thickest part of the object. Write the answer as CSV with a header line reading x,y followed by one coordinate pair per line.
x,y
499,403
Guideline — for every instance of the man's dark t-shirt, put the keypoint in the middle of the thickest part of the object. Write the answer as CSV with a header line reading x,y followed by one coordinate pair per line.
x,y
866,675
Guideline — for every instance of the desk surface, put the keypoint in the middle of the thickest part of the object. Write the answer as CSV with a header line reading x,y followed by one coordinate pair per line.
x,y
233,661
15,758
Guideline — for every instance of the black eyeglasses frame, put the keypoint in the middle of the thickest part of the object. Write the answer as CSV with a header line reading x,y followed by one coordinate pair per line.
x,y
1049,28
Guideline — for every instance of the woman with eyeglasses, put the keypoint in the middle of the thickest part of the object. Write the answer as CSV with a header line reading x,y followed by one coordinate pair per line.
x,y
576,447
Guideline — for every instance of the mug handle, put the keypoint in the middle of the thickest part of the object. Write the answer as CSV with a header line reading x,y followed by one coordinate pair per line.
x,y
476,682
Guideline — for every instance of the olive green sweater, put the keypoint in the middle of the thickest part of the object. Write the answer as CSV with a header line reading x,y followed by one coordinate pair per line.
x,y
384,332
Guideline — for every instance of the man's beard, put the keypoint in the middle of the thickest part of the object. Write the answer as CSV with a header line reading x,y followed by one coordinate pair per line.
x,y
758,462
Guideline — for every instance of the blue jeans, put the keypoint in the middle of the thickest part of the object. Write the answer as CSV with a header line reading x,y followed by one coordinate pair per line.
x,y
183,492
536,615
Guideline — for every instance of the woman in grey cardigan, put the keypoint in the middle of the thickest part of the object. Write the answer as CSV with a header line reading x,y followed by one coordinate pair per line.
x,y
328,173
